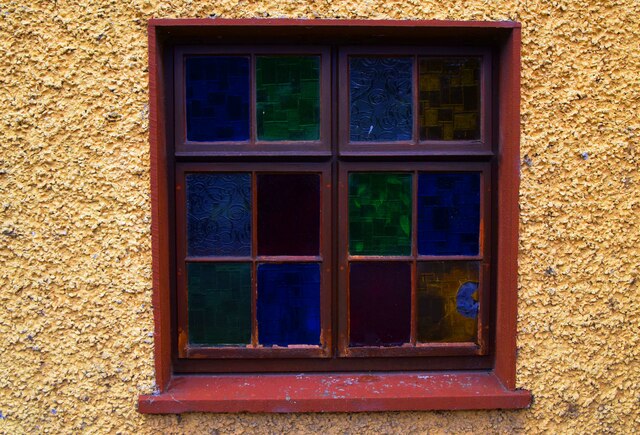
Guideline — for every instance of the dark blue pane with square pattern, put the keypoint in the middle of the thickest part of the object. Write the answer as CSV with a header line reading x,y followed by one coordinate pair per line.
x,y
288,304
217,98
449,213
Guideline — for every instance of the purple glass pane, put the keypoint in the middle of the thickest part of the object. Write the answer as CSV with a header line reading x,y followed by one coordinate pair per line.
x,y
288,214
380,303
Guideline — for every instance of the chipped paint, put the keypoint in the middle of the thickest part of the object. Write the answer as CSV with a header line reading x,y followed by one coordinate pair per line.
x,y
75,283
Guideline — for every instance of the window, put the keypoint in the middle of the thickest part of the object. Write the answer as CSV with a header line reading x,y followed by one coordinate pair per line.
x,y
335,208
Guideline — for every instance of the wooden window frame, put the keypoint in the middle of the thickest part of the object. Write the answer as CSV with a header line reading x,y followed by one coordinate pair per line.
x,y
417,383
186,148
416,146
412,348
185,350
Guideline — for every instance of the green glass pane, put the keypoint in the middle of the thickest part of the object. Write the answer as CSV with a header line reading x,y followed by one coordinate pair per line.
x,y
288,97
379,213
219,303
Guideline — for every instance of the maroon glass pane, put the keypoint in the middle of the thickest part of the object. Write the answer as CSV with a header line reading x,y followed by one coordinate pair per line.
x,y
380,303
288,214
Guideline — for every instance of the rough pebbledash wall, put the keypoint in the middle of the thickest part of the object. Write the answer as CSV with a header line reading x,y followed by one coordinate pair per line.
x,y
76,343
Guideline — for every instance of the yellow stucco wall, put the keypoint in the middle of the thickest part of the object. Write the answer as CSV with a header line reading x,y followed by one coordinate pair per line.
x,y
75,261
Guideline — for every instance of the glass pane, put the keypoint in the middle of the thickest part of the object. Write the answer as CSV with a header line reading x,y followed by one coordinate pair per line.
x,y
219,303
381,99
219,214
288,97
380,303
288,304
449,213
217,98
379,213
449,98
448,301
288,214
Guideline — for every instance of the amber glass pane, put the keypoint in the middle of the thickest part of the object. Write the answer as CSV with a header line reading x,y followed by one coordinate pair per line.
x,y
381,106
217,98
219,214
449,98
288,304
379,303
379,213
288,97
448,301
288,214
219,303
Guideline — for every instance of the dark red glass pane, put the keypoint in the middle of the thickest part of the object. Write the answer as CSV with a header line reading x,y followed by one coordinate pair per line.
x,y
288,214
380,303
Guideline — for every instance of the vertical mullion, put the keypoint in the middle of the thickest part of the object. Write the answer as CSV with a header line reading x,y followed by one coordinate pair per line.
x,y
414,254
334,251
416,101
253,118
254,266
181,263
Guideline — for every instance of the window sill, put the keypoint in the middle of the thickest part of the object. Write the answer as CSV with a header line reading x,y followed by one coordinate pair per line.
x,y
334,393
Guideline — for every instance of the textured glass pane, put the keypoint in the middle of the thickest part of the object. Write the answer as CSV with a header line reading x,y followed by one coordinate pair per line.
x,y
218,214
449,98
217,98
449,213
288,304
288,214
288,97
379,213
380,98
448,301
219,303
380,303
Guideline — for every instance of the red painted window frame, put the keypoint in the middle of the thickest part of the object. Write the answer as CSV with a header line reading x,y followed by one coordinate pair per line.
x,y
468,389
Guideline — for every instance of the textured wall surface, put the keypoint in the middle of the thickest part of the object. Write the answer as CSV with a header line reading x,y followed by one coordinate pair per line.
x,y
75,261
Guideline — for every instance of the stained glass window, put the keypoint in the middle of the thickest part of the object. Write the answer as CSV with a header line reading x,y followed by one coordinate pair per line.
x,y
448,301
260,238
382,207
217,98
381,102
449,98
289,214
379,213
288,97
379,303
219,214
288,304
219,303
448,213
221,208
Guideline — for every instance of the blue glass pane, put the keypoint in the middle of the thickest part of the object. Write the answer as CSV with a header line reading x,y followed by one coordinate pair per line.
x,y
381,98
219,214
217,98
288,304
449,213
